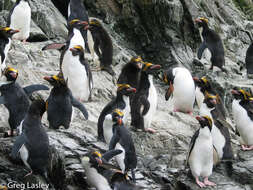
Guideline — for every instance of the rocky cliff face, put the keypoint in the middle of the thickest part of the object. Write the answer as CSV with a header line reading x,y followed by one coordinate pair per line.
x,y
161,31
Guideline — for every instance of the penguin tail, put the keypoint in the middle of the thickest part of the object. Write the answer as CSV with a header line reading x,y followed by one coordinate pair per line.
x,y
133,175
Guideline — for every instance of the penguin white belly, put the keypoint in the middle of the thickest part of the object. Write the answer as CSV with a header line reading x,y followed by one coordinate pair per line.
x,y
152,98
69,10
243,123
6,50
77,39
24,154
20,20
199,96
75,74
107,126
126,111
184,92
219,140
120,157
201,157
204,110
96,180
90,44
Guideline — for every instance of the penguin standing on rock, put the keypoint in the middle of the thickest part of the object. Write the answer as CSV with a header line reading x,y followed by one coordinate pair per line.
x,y
145,100
122,140
242,108
60,102
181,85
95,164
6,34
20,19
15,98
200,157
77,73
105,118
102,45
212,41
32,146
220,133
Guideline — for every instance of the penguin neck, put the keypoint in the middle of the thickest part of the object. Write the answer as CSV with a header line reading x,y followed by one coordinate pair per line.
x,y
205,27
205,132
6,84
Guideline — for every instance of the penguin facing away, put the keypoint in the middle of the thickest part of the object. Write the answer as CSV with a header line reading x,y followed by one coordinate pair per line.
x,y
242,108
76,71
6,34
181,86
60,102
20,19
212,41
203,86
200,157
249,56
15,98
95,164
122,139
102,45
104,125
220,133
32,146
144,104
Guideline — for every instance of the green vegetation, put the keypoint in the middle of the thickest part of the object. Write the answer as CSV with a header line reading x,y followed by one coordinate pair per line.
x,y
246,6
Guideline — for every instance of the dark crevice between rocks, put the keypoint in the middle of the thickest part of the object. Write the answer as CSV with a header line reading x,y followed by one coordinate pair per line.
x,y
62,6
37,38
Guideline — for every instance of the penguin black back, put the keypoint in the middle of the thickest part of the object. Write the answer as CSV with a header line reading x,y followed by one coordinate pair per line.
x,y
213,42
102,45
131,72
249,60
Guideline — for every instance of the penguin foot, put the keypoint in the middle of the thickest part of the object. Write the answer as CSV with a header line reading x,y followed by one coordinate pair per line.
x,y
209,183
8,133
176,110
24,41
201,184
189,112
247,147
150,130
30,173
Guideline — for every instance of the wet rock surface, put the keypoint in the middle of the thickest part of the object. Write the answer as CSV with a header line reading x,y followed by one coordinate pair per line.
x,y
162,31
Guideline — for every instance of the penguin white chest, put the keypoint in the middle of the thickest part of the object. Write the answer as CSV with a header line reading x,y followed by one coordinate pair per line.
x,y
204,110
96,180
243,122
199,96
77,39
107,126
152,99
20,20
75,74
219,140
201,157
184,91
6,50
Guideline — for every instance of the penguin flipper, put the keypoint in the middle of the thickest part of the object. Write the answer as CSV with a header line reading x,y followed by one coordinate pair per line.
x,y
146,105
58,46
111,153
19,142
192,143
201,49
34,87
114,140
2,100
80,106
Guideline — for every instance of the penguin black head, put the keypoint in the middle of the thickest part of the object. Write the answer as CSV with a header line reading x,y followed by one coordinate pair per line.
x,y
241,94
125,89
56,80
8,32
117,116
38,107
205,121
168,76
203,83
93,158
149,68
76,23
210,100
77,50
202,22
11,74
137,62
94,23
